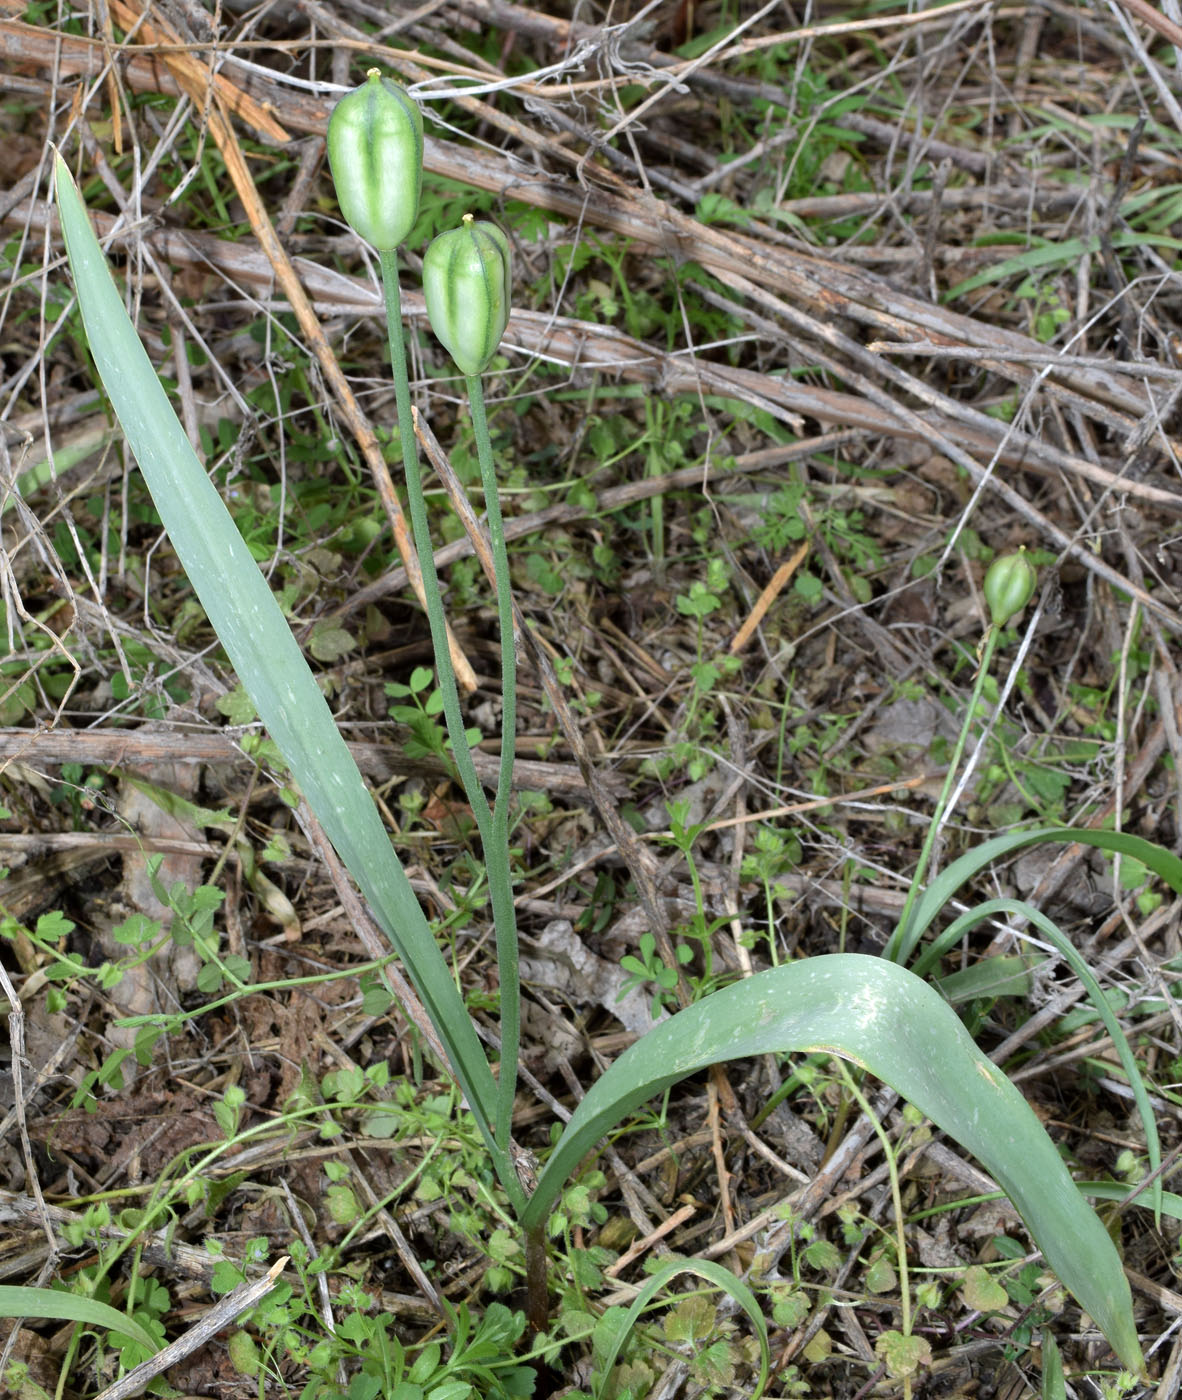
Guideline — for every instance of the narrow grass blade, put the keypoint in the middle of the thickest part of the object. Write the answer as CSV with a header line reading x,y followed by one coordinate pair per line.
x,y
72,1307
884,1018
1053,1385
1065,253
712,1273
1007,975
1171,1204
930,905
260,645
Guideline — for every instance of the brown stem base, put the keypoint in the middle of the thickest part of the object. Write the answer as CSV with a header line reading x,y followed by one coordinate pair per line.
x,y
537,1295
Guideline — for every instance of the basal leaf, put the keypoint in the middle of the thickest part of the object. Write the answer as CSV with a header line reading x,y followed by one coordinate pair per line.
x,y
250,626
884,1018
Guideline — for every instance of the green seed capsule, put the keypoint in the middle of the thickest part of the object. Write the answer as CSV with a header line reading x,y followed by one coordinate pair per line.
x,y
375,151
467,277
1009,586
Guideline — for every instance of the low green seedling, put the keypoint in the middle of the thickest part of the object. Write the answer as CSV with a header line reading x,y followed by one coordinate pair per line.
x,y
421,715
647,966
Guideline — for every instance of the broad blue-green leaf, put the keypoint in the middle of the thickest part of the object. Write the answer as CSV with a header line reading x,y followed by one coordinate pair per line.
x,y
258,641
884,1018
1067,950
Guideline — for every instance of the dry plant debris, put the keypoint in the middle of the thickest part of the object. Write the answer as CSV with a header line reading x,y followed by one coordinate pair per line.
x,y
816,312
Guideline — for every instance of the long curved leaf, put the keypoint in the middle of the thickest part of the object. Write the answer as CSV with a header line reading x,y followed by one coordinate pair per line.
x,y
1074,959
258,641
1171,1203
884,1018
713,1273
936,897
18,1301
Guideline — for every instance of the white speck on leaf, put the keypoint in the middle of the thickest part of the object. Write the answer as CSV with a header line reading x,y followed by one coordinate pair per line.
x,y
865,1007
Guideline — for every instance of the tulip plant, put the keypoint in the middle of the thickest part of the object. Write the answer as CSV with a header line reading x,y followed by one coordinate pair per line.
x,y
871,1011
375,150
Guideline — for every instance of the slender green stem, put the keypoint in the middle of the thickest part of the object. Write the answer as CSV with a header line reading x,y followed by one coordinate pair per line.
x,y
496,530
896,1194
496,846
418,519
493,832
925,855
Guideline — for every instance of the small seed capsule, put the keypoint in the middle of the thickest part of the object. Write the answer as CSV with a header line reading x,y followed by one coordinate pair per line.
x,y
375,152
1009,586
467,276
